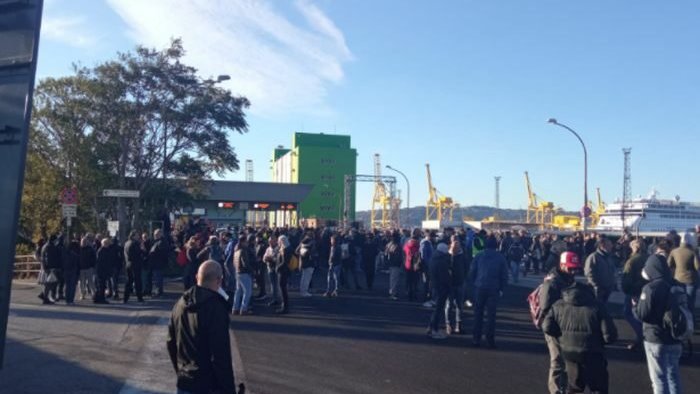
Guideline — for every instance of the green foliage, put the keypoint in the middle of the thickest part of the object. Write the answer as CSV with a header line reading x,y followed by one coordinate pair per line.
x,y
126,123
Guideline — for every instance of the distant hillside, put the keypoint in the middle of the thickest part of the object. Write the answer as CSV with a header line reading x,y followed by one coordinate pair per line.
x,y
476,212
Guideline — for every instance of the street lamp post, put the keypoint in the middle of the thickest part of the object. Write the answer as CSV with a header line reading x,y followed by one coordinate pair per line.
x,y
585,211
408,193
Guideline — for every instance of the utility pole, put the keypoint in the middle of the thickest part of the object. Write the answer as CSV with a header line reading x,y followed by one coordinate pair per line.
x,y
497,202
627,184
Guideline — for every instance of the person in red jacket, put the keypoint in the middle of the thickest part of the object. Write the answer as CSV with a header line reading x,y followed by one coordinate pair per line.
x,y
411,251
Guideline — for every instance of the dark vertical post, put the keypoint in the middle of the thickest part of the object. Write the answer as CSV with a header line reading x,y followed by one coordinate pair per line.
x,y
20,22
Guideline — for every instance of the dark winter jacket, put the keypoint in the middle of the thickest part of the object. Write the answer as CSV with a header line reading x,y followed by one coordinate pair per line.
x,y
393,254
440,272
489,270
51,256
88,258
654,300
158,255
458,266
335,257
307,254
632,280
132,254
242,261
552,287
600,270
71,262
198,342
581,323
105,262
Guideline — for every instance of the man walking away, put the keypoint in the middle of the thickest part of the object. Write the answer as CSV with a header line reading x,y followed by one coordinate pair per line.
x,y
242,263
158,258
412,264
335,260
685,264
426,255
582,325
103,269
440,274
198,339
489,272
88,259
455,299
632,284
393,256
555,282
71,269
307,263
132,264
272,255
600,270
662,350
515,254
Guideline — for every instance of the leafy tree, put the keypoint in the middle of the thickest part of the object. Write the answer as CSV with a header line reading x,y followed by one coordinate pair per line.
x,y
133,121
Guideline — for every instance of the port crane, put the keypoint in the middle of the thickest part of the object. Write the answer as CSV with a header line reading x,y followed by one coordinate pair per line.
x,y
438,206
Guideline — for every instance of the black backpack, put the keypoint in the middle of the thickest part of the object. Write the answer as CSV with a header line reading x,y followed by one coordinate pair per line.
x,y
678,319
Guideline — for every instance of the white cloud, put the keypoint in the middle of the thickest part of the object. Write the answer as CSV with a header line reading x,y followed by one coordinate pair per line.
x,y
281,66
70,30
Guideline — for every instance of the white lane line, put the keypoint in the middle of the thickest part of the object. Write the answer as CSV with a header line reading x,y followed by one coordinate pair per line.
x,y
153,372
238,370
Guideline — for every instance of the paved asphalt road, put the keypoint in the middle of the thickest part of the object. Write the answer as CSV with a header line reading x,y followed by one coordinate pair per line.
x,y
361,342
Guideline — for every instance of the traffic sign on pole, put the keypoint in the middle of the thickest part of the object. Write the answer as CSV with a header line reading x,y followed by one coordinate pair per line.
x,y
121,193
69,210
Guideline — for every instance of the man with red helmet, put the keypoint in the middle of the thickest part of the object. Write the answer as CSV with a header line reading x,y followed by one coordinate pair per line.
x,y
559,278
581,325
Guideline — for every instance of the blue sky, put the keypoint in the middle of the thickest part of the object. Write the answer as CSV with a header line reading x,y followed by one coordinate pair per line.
x,y
465,85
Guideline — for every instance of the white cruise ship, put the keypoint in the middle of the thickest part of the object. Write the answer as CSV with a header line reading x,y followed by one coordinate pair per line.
x,y
650,216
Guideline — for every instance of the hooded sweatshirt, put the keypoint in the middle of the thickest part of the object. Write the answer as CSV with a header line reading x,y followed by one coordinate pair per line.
x,y
198,342
653,301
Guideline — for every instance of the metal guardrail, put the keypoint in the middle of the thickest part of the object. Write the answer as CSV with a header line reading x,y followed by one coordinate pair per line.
x,y
26,267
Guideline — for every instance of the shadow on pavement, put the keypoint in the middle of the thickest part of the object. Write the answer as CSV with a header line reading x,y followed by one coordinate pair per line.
x,y
46,368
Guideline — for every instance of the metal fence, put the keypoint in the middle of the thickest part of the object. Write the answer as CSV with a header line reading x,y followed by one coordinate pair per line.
x,y
26,267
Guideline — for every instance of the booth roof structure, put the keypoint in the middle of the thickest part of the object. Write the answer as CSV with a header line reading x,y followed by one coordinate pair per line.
x,y
269,192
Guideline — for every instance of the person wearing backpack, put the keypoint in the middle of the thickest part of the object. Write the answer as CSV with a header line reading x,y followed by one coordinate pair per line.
x,y
583,327
559,278
515,254
663,351
412,264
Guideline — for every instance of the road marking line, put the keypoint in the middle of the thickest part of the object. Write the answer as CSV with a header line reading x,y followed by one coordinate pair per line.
x,y
153,373
238,370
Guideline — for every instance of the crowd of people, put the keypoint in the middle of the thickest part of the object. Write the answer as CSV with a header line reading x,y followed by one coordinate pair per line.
x,y
447,271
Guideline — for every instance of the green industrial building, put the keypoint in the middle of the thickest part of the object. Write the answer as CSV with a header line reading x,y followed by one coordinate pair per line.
x,y
321,160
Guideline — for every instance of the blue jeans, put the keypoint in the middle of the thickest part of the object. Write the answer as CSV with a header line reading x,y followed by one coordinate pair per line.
x,y
244,290
664,372
514,270
632,319
691,290
158,278
333,276
272,274
485,299
439,309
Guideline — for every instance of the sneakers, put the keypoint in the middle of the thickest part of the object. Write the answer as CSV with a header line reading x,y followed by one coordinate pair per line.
x,y
307,294
448,330
393,297
326,294
468,304
437,335
429,304
334,294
